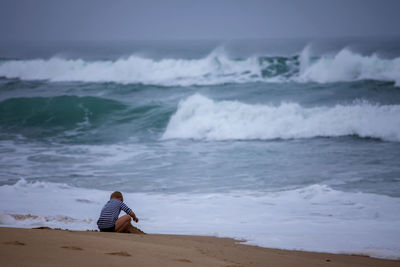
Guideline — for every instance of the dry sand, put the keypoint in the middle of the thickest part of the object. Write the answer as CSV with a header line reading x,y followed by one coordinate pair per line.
x,y
38,247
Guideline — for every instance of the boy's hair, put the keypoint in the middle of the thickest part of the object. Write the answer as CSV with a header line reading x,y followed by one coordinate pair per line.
x,y
116,194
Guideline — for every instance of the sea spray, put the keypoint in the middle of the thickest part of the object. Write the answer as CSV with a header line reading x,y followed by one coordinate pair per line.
x,y
305,59
349,66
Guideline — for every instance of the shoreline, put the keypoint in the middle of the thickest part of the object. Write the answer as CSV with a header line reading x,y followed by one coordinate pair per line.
x,y
39,247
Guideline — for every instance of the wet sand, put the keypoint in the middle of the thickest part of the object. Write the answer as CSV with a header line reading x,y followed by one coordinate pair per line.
x,y
46,247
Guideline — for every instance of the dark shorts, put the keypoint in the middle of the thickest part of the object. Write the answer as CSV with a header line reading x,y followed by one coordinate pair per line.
x,y
109,229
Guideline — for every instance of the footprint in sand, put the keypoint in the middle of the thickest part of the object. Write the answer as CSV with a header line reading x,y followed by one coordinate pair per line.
x,y
72,247
15,243
120,253
183,260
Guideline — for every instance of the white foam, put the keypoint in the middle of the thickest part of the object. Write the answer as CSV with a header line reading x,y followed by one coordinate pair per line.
x,y
199,117
314,218
348,66
216,68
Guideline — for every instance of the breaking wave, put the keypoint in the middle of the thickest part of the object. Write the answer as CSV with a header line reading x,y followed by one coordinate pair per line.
x,y
349,66
216,68
199,117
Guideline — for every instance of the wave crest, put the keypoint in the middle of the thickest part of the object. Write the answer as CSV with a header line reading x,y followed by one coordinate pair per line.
x,y
349,66
199,117
216,68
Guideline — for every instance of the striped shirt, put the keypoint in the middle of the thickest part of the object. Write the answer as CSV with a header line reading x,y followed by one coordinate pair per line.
x,y
110,212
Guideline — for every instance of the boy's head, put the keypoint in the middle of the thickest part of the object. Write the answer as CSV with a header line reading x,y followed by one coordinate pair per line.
x,y
117,195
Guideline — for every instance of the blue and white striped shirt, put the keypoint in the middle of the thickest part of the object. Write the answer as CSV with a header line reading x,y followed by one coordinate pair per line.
x,y
110,212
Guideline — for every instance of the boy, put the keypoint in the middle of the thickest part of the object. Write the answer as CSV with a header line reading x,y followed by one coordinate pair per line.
x,y
108,221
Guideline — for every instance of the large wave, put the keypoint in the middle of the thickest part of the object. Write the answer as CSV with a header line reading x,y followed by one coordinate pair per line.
x,y
199,117
348,66
216,68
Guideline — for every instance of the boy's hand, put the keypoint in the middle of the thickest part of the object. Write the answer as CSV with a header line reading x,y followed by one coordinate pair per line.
x,y
133,215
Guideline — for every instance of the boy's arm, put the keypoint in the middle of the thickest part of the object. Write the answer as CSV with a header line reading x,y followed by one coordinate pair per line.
x,y
132,214
125,208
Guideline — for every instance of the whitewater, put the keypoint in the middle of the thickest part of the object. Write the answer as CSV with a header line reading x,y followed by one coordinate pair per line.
x,y
201,118
333,221
282,144
215,68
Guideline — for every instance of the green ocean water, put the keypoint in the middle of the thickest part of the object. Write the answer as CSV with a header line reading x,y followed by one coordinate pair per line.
x,y
175,117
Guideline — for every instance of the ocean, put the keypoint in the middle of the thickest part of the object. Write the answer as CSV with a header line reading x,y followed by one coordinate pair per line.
x,y
287,143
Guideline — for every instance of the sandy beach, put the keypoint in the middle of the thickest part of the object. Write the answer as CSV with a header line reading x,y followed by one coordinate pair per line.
x,y
43,247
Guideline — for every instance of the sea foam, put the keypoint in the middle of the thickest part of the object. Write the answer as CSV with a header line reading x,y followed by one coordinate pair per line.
x,y
348,66
199,117
313,218
216,68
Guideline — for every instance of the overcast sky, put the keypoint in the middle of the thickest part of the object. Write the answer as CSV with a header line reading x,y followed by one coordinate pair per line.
x,y
197,19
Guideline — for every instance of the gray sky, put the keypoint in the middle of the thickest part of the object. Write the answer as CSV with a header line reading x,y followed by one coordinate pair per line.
x,y
197,19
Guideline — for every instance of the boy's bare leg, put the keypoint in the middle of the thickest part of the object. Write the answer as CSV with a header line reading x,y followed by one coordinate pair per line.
x,y
122,223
